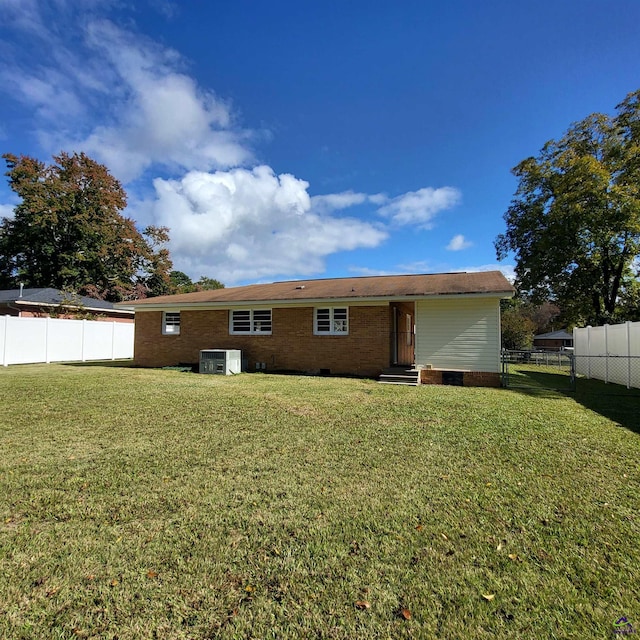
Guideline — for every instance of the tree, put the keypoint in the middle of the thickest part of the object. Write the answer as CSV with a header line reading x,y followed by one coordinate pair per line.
x,y
68,232
182,283
516,326
206,284
574,222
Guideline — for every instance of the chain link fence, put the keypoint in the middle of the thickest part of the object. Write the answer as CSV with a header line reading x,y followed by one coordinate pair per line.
x,y
615,369
563,370
538,370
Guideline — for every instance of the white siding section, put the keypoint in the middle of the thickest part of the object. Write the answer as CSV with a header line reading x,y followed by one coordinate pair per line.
x,y
459,333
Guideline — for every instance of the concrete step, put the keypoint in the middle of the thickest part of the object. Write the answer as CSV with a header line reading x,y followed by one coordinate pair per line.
x,y
399,376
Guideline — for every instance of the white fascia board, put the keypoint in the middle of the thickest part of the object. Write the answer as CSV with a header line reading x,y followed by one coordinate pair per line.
x,y
310,302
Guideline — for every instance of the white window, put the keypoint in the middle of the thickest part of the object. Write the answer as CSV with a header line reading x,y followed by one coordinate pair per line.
x,y
250,321
331,321
171,323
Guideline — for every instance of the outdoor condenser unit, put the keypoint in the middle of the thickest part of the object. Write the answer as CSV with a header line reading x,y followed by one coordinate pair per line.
x,y
221,361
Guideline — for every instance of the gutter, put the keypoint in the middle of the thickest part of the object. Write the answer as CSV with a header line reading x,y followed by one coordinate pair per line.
x,y
239,304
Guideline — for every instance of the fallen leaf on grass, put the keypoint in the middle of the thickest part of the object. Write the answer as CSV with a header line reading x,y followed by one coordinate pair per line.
x,y
405,613
152,574
499,547
362,604
489,596
419,527
513,556
444,536
249,588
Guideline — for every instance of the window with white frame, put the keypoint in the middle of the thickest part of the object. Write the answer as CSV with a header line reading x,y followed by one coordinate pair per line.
x,y
331,321
171,323
250,321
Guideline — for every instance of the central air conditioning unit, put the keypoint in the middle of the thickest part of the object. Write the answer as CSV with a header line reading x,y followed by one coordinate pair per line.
x,y
221,361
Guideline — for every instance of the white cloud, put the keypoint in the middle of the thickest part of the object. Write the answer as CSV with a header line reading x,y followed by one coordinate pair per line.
x,y
251,224
127,101
458,243
6,210
509,270
161,116
131,105
367,271
345,199
420,207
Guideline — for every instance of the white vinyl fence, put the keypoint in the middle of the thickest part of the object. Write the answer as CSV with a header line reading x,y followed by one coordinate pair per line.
x,y
29,340
610,353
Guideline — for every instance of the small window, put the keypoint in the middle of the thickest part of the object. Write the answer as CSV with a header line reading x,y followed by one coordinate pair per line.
x,y
250,321
171,323
331,321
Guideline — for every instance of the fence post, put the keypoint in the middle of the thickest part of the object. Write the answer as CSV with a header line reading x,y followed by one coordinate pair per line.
x,y
6,336
82,337
46,340
589,351
113,340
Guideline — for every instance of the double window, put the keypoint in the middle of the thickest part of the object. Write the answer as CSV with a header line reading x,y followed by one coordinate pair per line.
x,y
331,321
250,322
171,323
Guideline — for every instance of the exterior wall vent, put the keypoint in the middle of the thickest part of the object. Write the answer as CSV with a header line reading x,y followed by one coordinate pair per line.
x,y
221,361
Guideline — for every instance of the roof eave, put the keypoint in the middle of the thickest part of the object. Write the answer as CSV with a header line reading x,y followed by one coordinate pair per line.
x,y
299,302
30,303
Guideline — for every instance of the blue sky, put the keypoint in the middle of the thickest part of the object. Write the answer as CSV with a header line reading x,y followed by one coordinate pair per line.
x,y
301,139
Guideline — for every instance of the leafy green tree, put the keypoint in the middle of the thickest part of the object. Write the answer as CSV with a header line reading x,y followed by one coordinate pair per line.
x,y
206,284
182,283
68,232
517,327
574,222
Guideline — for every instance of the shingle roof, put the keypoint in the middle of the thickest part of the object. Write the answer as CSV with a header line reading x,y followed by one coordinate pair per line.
x,y
554,335
424,285
49,296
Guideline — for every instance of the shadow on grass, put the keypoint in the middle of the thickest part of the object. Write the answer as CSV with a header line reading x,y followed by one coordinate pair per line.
x,y
100,363
613,401
535,379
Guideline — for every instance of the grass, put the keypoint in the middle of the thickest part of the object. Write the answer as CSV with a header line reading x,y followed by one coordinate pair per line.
x,y
162,504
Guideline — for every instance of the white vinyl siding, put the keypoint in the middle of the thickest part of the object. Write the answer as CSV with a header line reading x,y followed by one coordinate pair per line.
x,y
459,334
331,321
250,322
171,323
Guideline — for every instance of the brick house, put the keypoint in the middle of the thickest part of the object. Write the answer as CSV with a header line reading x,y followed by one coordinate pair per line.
x,y
48,302
355,326
553,341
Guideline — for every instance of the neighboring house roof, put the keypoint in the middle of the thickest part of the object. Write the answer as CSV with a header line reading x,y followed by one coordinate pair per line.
x,y
49,297
361,288
554,335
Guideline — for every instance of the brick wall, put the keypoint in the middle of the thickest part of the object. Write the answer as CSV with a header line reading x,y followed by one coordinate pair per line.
x,y
469,378
292,345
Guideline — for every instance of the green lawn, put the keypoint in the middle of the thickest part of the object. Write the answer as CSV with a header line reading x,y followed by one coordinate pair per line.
x,y
162,504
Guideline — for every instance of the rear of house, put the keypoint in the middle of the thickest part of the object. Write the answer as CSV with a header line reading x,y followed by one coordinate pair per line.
x,y
348,326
